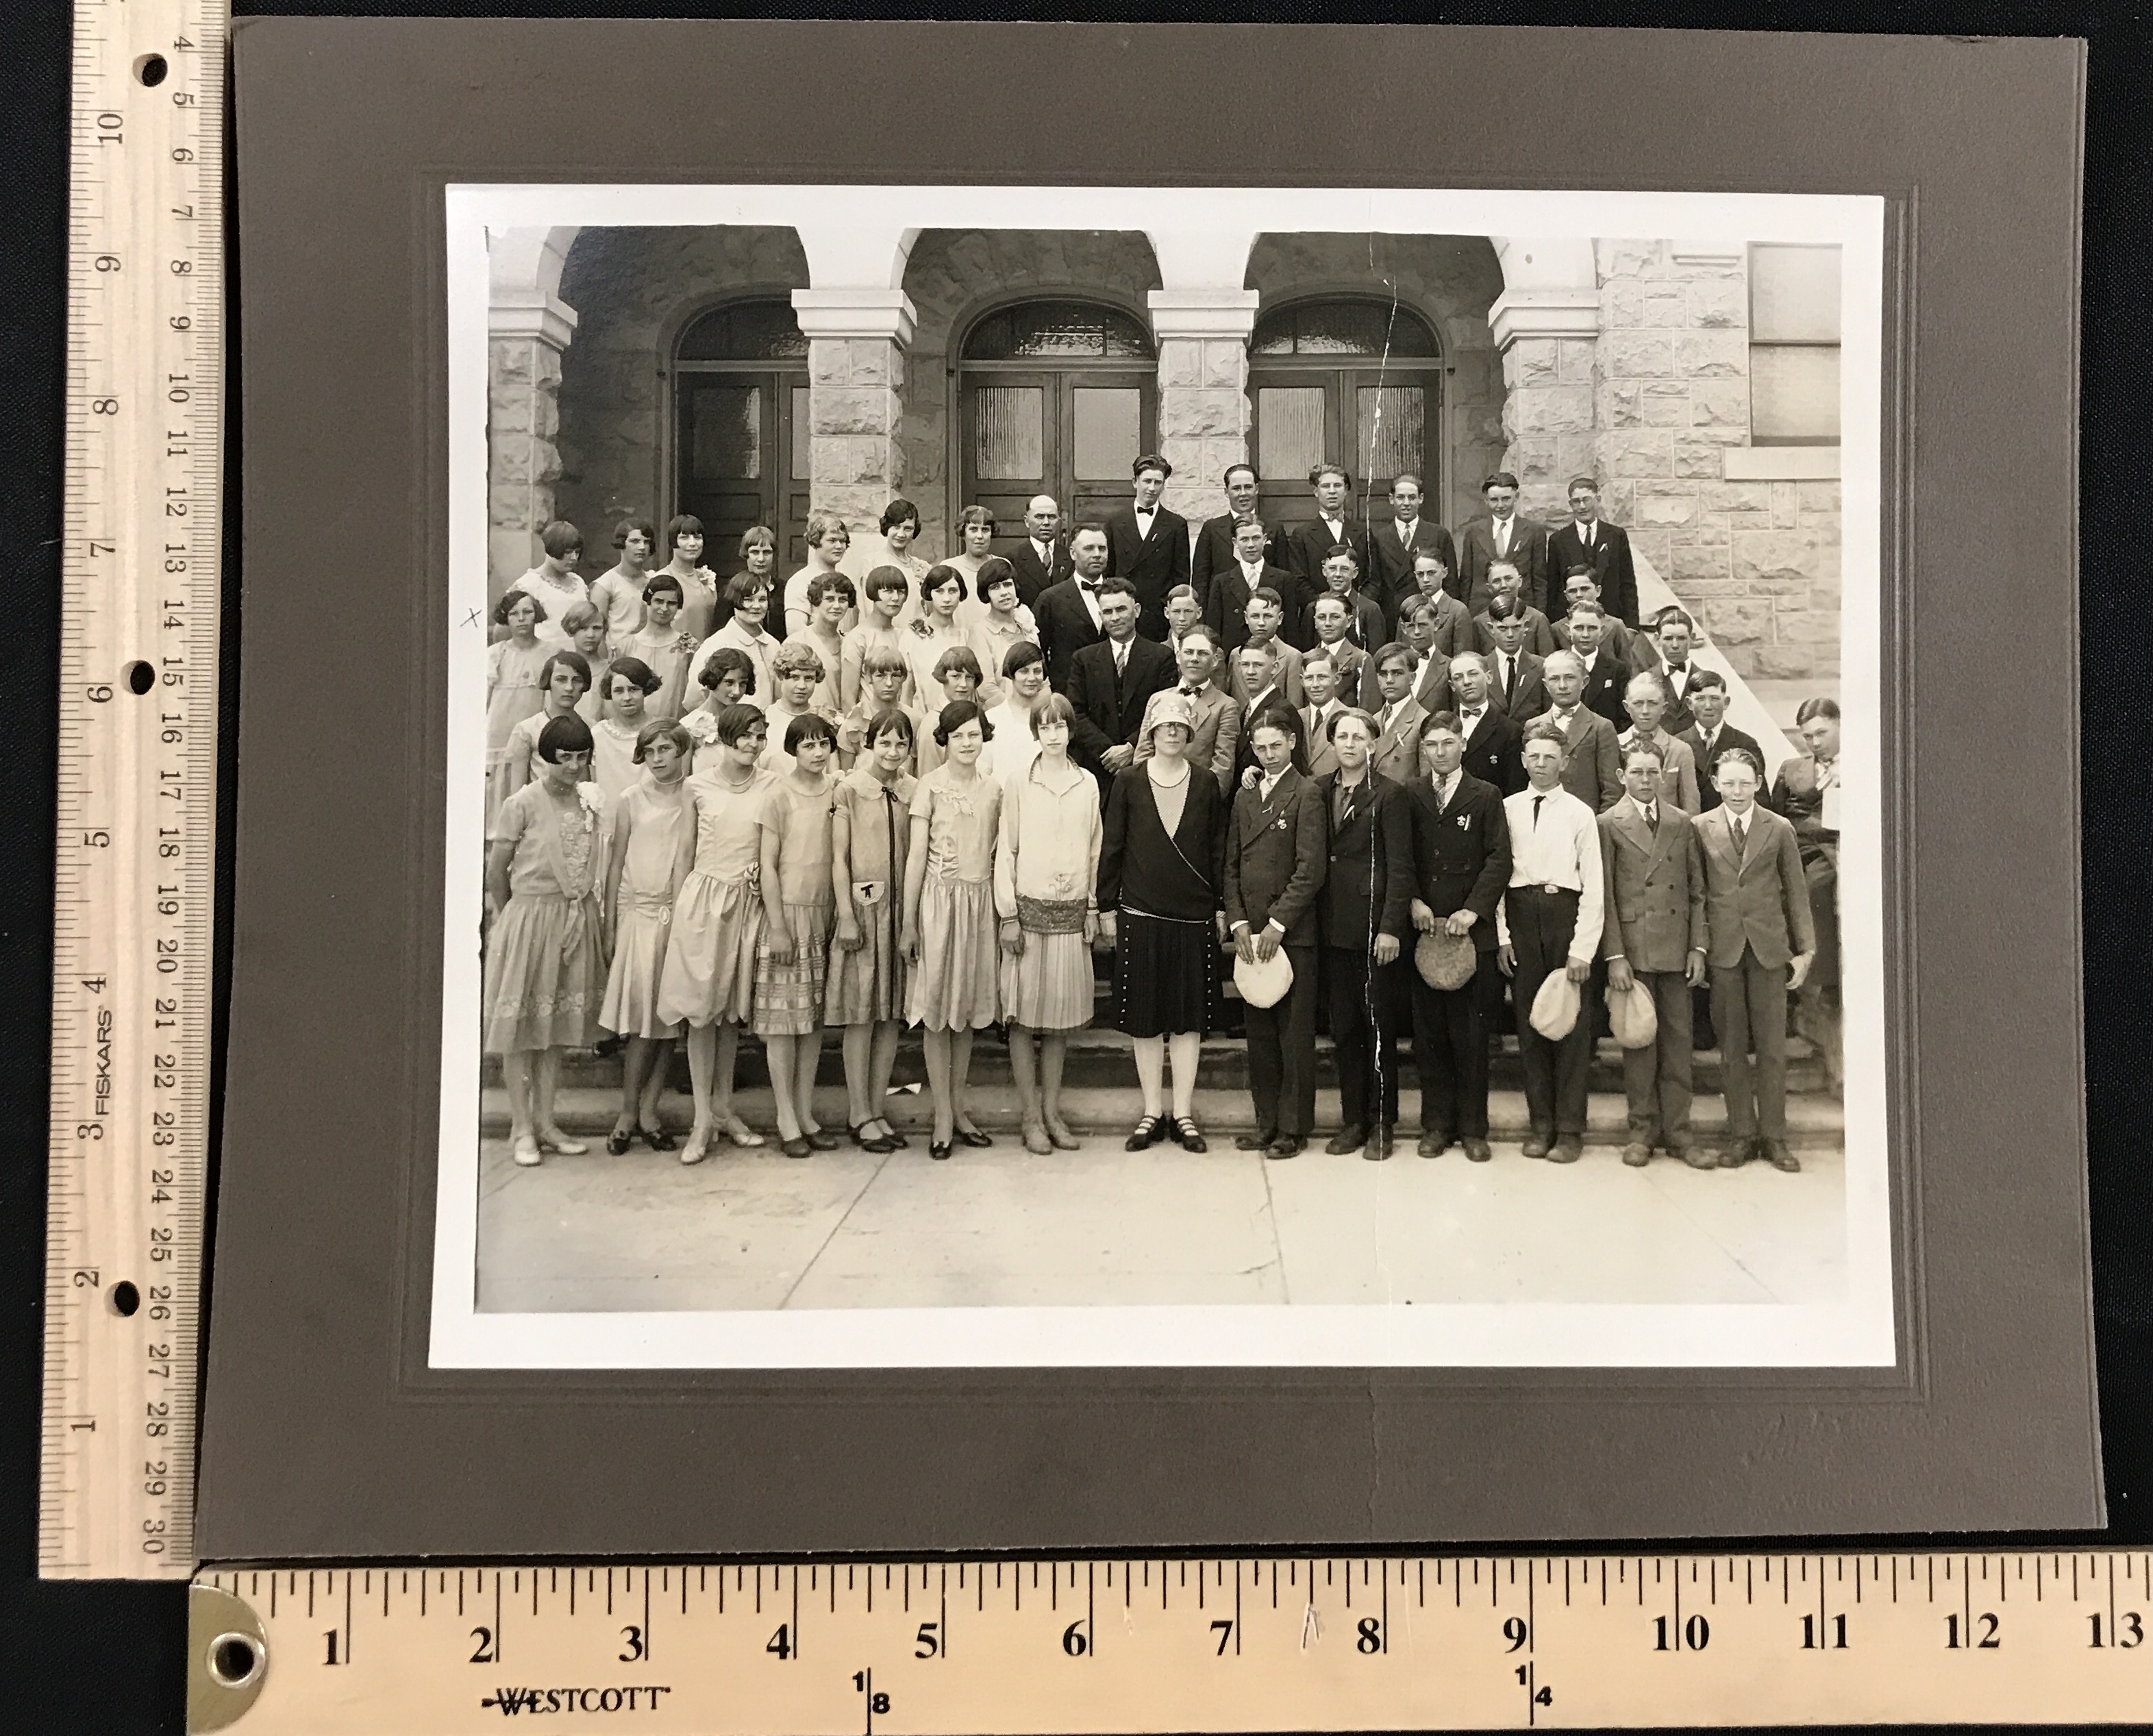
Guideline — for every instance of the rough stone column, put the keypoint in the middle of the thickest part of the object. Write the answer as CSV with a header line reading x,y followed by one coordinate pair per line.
x,y
856,343
1203,389
523,419
1549,340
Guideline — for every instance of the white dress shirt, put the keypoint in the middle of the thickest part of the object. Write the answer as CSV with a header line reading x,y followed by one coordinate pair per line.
x,y
1557,846
1088,589
1336,526
1145,517
1469,721
1585,527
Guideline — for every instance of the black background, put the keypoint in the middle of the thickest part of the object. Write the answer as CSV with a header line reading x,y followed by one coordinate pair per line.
x,y
108,1657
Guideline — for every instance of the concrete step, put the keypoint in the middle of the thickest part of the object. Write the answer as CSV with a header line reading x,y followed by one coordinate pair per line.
x,y
1098,1058
1814,1123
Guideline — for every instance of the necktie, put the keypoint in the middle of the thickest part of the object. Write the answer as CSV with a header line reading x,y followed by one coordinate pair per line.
x,y
1503,535
1509,675
1652,818
1121,658
1741,837
1537,801
1587,529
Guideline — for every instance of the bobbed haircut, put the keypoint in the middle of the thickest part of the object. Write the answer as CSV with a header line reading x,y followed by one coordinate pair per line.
x,y
559,538
683,524
976,516
995,571
757,535
664,582
796,657
881,581
663,729
897,512
823,585
565,734
735,723
890,719
1819,705
742,587
572,660
884,660
629,526
959,660
1020,655
955,715
509,599
939,575
726,661
1055,708
820,525
580,614
809,727
635,669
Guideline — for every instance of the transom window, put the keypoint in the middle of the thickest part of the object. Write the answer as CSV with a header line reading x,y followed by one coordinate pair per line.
x,y
1328,330
764,331
1057,332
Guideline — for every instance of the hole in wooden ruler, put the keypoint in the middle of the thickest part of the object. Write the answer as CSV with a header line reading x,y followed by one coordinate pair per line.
x,y
125,1299
139,676
233,1659
150,69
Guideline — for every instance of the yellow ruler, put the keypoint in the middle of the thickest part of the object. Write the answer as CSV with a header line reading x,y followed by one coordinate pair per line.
x,y
136,866
1048,1647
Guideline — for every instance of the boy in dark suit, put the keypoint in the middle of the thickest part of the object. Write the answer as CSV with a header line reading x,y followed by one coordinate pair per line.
x,y
1110,684
1493,746
1394,544
1276,858
1711,735
1656,935
1505,584
1305,548
1762,940
1364,922
1364,615
1214,542
1517,676
1148,545
1461,864
1603,549
1244,573
1499,534
1606,674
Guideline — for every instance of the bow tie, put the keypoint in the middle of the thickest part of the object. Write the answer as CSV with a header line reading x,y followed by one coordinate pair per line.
x,y
1188,692
1087,584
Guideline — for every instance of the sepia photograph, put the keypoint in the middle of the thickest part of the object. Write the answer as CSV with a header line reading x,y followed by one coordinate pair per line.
x,y
1175,776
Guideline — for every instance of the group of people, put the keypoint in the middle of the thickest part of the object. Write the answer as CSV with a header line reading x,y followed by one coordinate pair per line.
x,y
1430,772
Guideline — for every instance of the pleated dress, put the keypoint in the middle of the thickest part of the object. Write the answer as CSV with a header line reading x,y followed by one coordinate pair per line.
x,y
545,965
956,985
647,822
709,975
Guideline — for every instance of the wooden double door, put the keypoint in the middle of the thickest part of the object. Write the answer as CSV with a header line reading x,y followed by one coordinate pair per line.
x,y
1073,433
740,445
1381,422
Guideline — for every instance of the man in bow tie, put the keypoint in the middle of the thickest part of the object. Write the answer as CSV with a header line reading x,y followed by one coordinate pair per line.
x,y
1148,545
1216,737
1669,651
1311,544
1068,611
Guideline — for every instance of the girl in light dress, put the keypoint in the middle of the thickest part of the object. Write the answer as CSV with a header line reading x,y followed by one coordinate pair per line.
x,y
585,629
707,981
1006,624
886,589
887,675
699,585
829,607
1045,870
792,961
545,942
948,937
895,548
870,827
514,688
554,582
797,672
661,646
563,679
618,590
617,740
827,541
975,538
743,631
937,630
758,556
1024,683
639,892
728,679
957,674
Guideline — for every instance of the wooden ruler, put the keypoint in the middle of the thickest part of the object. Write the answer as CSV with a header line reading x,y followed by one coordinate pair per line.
x,y
136,866
1043,1647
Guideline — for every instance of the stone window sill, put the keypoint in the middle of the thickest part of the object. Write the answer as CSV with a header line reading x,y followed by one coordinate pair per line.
x,y
1780,464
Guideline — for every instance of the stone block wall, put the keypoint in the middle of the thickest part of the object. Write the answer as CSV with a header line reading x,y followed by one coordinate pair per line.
x,y
1547,421
855,459
1451,281
630,288
1756,562
953,274
523,464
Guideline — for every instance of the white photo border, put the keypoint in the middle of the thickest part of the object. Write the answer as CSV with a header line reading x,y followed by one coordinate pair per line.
x,y
1856,1331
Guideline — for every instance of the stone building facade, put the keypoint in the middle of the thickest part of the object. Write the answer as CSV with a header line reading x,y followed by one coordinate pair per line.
x,y
1630,360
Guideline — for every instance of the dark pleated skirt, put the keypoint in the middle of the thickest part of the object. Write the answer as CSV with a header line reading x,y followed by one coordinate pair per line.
x,y
1165,975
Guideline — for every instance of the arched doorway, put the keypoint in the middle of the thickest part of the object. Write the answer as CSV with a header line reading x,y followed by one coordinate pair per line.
x,y
1055,397
1349,381
740,428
